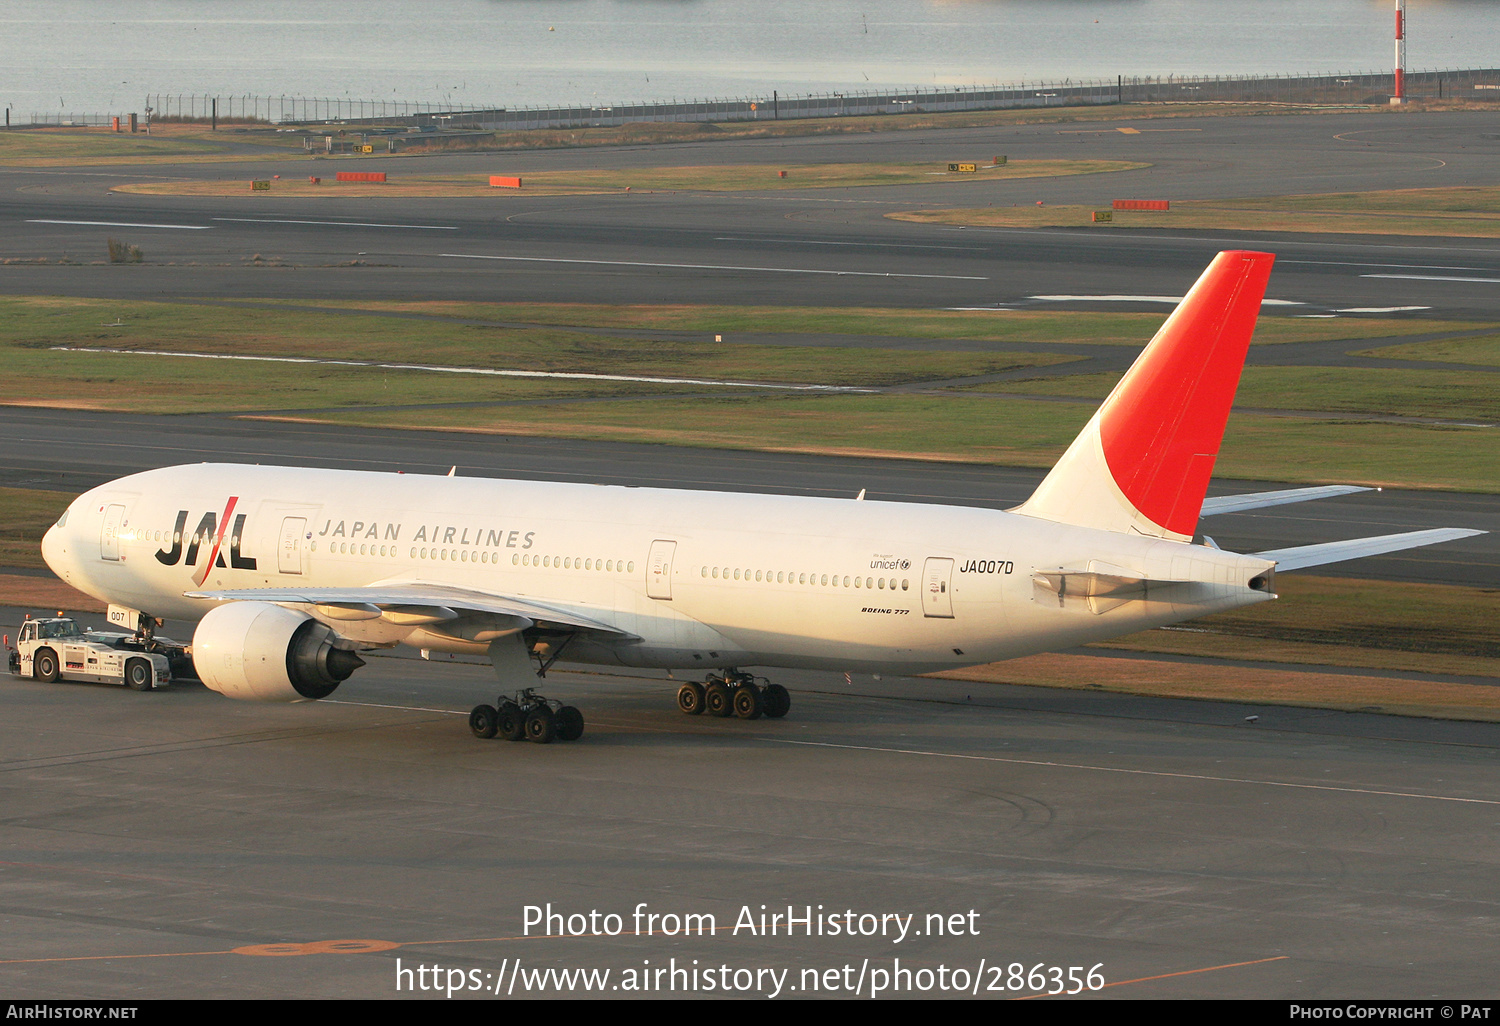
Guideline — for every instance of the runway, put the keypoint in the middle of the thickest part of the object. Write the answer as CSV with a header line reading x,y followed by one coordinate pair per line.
x,y
180,844
829,247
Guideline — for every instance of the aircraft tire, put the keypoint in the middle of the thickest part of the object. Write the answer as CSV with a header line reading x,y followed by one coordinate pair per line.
x,y
748,704
484,721
778,701
717,700
510,722
541,726
569,723
690,698
44,666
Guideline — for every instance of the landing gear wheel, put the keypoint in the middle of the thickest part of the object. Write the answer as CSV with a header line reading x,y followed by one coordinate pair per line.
x,y
690,698
717,700
44,666
747,702
509,721
138,675
777,701
484,721
541,725
569,724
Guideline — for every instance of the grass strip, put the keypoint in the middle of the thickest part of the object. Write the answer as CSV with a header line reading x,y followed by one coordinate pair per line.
x,y
1455,212
1377,390
716,178
1483,352
1021,327
25,515
31,327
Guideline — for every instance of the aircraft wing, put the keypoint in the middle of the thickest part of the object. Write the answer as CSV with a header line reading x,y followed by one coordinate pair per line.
x,y
417,603
1334,552
1258,500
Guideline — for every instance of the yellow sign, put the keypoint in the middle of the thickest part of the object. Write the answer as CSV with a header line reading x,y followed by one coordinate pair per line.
x,y
1104,215
367,149
260,186
964,168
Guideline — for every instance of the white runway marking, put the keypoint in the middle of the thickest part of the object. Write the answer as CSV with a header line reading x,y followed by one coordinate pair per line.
x,y
1432,277
123,224
339,224
713,267
864,245
484,371
1174,300
1381,309
1399,267
1139,772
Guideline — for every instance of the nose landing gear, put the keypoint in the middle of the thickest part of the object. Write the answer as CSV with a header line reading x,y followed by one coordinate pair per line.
x,y
732,693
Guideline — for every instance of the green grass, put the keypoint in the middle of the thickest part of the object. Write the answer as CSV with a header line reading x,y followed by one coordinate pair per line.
x,y
1472,212
1484,352
61,147
1411,393
25,515
31,328
1021,327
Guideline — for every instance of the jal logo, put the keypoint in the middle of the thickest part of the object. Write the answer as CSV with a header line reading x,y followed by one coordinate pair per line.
x,y
209,532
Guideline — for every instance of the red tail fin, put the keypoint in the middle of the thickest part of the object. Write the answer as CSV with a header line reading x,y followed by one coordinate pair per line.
x,y
1144,461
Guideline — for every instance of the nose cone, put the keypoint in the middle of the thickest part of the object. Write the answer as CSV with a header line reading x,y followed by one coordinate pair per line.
x,y
55,552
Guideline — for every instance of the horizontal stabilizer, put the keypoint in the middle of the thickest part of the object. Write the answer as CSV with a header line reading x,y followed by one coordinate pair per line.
x,y
414,603
1336,552
1260,500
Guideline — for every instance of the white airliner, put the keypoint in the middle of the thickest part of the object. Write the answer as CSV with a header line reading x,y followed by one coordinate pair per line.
x,y
294,571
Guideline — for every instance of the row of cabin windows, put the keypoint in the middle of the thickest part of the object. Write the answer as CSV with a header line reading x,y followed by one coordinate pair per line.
x,y
486,557
792,577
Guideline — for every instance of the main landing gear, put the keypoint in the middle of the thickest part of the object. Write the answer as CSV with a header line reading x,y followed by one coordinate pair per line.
x,y
732,693
527,717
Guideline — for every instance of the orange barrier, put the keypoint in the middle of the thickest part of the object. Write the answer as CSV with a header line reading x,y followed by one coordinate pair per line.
x,y
361,176
1142,205
504,182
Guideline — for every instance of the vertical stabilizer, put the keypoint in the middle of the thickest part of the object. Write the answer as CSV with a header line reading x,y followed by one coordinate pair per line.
x,y
1142,464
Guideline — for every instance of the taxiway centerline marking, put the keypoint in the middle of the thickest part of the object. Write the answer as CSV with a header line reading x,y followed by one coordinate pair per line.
x,y
1151,299
339,224
713,267
1432,277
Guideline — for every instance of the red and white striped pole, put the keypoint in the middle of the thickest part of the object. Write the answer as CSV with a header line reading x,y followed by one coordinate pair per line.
x,y
1400,96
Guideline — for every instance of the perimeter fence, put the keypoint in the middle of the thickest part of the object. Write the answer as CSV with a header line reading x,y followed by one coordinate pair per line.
x,y
1351,87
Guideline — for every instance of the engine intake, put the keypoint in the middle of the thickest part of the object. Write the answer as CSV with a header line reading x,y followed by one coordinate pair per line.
x,y
260,652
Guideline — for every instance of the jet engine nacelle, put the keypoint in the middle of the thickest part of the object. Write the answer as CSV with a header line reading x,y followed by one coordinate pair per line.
x,y
260,652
